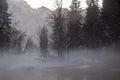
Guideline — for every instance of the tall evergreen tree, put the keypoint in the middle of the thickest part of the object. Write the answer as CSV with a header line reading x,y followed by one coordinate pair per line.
x,y
111,19
4,25
74,25
92,28
16,40
29,45
58,35
44,41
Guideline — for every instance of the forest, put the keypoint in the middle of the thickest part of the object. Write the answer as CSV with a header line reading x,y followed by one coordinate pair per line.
x,y
100,28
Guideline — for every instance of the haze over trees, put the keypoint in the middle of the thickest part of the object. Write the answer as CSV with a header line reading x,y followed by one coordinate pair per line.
x,y
73,43
43,36
69,28
58,28
16,40
29,45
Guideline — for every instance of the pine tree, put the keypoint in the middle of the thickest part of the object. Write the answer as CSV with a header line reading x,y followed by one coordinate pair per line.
x,y
29,45
44,41
92,28
111,19
75,5
58,35
74,25
4,25
16,40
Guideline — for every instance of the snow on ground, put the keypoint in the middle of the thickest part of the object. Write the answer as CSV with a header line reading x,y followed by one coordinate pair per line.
x,y
34,61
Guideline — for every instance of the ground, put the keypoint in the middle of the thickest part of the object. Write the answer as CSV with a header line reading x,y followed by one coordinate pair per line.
x,y
82,65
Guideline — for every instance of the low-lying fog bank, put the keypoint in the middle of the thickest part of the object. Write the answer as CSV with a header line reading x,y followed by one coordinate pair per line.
x,y
34,60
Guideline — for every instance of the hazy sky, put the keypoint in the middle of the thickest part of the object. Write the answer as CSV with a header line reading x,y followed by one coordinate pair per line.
x,y
50,3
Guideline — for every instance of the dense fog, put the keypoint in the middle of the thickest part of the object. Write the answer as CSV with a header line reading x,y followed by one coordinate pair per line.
x,y
84,64
35,60
61,44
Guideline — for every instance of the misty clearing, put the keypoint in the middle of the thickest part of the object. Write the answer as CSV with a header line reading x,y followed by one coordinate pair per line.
x,y
72,43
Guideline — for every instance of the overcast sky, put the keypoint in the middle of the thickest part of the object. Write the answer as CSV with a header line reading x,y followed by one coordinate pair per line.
x,y
50,3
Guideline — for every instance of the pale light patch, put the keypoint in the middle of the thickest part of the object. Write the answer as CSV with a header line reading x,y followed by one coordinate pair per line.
x,y
51,3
